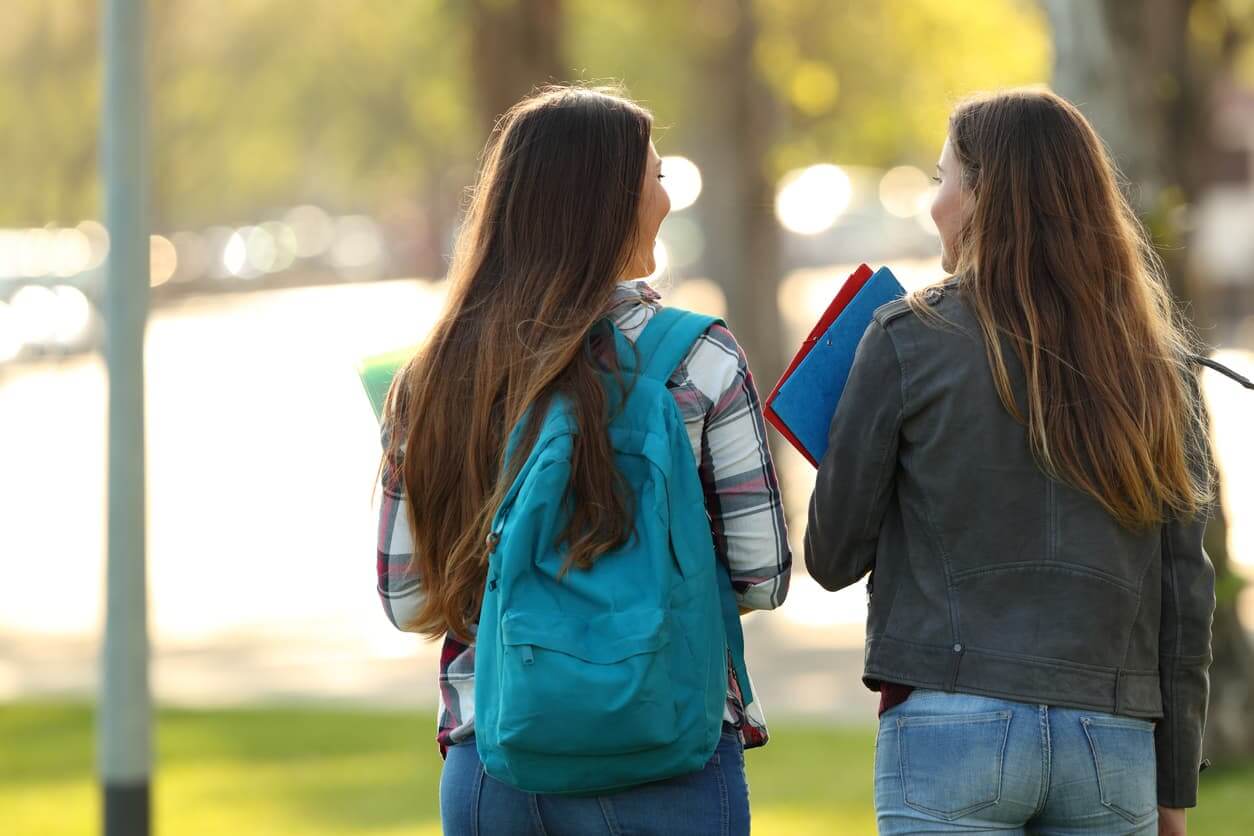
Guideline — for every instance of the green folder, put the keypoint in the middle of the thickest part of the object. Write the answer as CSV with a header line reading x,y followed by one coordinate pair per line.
x,y
376,375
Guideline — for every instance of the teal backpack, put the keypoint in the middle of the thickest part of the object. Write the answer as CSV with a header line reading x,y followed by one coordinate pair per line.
x,y
613,676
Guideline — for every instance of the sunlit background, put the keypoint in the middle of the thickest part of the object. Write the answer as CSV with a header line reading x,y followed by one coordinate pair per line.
x,y
308,164
262,448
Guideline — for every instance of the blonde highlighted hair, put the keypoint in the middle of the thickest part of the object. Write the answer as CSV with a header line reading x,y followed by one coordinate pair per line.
x,y
1057,267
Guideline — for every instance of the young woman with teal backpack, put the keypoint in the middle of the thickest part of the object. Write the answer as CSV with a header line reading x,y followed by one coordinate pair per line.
x,y
578,497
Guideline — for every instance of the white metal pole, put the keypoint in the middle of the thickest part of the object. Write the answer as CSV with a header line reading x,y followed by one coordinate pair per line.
x,y
125,709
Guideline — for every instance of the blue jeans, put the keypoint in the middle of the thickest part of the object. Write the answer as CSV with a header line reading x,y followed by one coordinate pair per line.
x,y
958,763
711,802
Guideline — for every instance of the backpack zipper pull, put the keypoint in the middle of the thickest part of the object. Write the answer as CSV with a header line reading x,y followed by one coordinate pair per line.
x,y
527,657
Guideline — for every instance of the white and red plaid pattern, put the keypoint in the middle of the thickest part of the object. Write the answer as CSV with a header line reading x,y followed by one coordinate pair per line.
x,y
719,403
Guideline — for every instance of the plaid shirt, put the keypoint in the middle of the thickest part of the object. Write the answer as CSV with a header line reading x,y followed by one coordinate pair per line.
x,y
719,403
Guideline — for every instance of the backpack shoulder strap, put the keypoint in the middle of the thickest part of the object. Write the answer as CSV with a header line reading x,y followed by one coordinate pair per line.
x,y
668,338
662,346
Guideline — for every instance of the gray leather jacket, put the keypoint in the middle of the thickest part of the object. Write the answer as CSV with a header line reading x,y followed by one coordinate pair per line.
x,y
990,577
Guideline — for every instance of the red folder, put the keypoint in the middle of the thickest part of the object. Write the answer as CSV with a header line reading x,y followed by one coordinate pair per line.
x,y
847,291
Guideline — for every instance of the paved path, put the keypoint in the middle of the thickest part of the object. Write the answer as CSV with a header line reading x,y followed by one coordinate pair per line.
x,y
262,453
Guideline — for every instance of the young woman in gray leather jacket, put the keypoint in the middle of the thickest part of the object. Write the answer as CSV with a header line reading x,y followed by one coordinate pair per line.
x,y
1020,461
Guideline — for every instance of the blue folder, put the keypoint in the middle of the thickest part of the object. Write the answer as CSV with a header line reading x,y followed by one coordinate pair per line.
x,y
807,400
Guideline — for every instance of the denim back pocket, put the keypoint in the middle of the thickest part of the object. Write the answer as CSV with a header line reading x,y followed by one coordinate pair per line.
x,y
951,766
1123,752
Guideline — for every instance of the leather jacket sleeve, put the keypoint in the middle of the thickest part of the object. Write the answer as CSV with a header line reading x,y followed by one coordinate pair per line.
x,y
855,478
1184,652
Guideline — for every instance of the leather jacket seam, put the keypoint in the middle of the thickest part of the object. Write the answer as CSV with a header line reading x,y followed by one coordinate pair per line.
x,y
870,526
1067,568
1169,703
1051,518
951,598
1140,605
1026,657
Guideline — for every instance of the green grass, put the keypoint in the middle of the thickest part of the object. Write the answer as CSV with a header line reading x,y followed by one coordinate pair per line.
x,y
323,771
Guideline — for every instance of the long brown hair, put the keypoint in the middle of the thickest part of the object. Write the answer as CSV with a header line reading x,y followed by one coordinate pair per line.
x,y
1055,263
550,229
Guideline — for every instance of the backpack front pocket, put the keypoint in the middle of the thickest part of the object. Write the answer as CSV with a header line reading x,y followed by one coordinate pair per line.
x,y
586,686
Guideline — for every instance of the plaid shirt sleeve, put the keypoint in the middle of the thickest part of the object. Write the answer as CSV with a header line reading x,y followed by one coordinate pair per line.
x,y
721,405
398,583
741,488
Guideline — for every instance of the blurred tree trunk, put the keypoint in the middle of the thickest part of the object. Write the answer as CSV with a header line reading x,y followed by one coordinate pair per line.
x,y
516,45
736,118
1131,69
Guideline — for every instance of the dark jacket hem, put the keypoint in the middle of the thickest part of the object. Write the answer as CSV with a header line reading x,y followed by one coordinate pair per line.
x,y
1035,681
